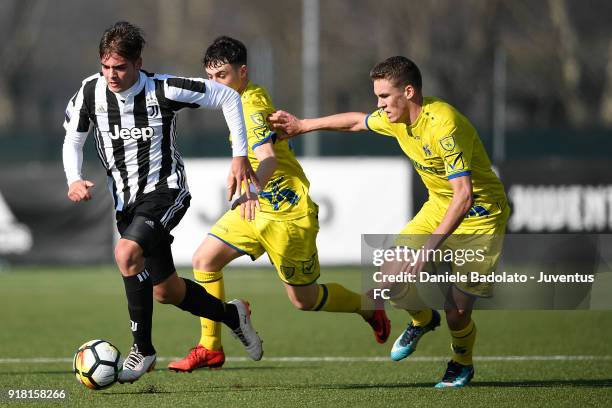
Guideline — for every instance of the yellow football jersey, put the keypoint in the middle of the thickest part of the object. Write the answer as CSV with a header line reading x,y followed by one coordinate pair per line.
x,y
285,196
442,144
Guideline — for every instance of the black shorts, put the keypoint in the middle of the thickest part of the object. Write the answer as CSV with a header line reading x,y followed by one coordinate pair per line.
x,y
148,222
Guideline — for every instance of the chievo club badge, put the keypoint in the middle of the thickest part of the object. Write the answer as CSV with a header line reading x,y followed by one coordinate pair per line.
x,y
448,143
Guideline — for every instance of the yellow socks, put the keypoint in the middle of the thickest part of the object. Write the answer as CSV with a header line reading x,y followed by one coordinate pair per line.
x,y
408,299
421,317
336,298
462,343
211,330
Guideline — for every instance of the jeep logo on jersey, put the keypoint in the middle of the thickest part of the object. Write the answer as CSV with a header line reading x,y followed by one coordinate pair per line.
x,y
135,133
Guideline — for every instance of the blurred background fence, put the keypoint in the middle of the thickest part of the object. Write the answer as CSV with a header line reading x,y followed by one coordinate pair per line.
x,y
535,78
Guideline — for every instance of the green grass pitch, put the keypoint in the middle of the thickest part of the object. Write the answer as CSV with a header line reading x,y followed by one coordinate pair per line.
x,y
49,312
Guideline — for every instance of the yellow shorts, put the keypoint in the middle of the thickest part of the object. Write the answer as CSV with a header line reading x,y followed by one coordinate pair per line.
x,y
474,249
290,244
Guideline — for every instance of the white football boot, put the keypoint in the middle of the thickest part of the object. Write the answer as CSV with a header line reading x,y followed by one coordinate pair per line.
x,y
136,365
245,332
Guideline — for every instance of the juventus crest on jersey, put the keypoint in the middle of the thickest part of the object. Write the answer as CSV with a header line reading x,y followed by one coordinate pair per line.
x,y
135,131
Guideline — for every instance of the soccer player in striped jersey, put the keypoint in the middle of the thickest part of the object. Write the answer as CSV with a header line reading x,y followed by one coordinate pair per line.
x,y
467,206
133,115
286,225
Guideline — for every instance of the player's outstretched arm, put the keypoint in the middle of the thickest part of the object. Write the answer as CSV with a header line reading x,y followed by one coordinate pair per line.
x,y
241,173
77,125
290,125
199,92
72,157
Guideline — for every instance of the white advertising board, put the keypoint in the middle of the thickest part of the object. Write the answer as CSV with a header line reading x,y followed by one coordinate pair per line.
x,y
355,196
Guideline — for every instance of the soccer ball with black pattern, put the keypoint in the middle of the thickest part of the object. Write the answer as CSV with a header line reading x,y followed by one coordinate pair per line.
x,y
96,364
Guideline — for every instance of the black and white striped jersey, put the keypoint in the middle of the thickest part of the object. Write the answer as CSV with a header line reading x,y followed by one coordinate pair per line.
x,y
135,131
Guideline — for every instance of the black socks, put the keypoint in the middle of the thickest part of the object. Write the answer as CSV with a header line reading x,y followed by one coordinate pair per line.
x,y
139,293
201,303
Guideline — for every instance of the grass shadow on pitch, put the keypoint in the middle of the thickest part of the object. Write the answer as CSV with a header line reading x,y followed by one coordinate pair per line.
x,y
600,383
151,389
603,383
52,372
234,368
271,367
372,386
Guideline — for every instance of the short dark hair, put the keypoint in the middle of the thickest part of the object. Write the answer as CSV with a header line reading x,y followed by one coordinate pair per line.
x,y
124,39
225,50
400,71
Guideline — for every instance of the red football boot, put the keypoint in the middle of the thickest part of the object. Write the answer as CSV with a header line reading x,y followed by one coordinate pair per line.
x,y
381,325
199,357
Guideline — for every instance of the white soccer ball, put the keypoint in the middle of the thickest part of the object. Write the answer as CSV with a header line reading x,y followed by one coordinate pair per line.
x,y
96,364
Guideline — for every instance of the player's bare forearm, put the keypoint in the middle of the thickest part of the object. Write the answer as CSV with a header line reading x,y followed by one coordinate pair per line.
x,y
267,162
291,125
266,168
267,165
455,214
348,122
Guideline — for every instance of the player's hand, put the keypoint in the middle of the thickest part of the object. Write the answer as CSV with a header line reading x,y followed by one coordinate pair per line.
x,y
416,264
415,267
248,206
79,190
241,175
289,125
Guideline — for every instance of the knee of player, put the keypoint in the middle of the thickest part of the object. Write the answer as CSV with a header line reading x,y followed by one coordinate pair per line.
x,y
163,295
126,253
201,263
457,314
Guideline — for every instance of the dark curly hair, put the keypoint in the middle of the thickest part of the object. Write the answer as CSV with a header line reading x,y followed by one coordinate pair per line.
x,y
124,39
225,50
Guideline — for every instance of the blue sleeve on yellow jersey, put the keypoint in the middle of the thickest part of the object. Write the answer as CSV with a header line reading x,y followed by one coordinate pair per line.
x,y
270,136
366,121
461,174
258,130
256,106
